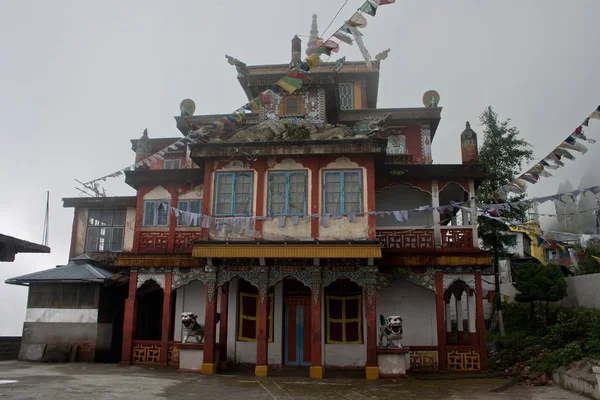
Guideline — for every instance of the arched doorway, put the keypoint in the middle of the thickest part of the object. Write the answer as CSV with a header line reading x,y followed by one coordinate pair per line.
x,y
148,324
297,323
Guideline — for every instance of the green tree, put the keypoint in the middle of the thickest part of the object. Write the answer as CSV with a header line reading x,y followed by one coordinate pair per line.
x,y
537,282
588,265
503,154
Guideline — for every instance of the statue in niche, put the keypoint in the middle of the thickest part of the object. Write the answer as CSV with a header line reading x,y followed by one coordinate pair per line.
x,y
391,330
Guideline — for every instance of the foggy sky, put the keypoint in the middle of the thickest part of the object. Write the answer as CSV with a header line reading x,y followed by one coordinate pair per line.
x,y
79,79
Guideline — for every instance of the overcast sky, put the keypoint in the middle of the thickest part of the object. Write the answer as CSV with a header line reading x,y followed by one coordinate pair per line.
x,y
79,79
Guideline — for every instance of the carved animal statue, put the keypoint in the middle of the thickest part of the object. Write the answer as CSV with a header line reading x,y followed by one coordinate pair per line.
x,y
191,327
391,330
369,126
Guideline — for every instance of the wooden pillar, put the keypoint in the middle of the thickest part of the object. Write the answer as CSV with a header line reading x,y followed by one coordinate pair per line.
x,y
448,322
371,369
223,326
316,368
262,335
129,320
74,234
166,321
209,365
460,320
439,311
480,321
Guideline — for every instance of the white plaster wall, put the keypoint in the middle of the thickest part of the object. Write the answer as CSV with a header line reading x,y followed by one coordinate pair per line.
x,y
81,231
344,355
129,229
416,306
78,315
245,352
192,298
402,197
272,230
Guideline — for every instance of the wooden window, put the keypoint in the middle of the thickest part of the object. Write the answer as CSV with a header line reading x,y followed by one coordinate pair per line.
x,y
344,319
287,193
342,192
233,193
63,295
105,231
172,164
248,315
346,90
156,213
193,206
293,105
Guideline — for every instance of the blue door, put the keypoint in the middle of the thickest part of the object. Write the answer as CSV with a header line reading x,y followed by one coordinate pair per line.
x,y
297,334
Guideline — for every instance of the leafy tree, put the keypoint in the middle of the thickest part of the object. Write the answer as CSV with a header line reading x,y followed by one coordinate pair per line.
x,y
537,282
503,154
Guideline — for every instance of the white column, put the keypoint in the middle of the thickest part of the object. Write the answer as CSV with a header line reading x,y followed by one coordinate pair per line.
x,y
471,307
435,202
459,313
448,316
472,205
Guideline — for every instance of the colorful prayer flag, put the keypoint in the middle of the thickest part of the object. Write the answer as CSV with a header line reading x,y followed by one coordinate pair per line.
x,y
384,2
368,8
290,84
596,258
313,60
331,46
253,106
357,20
596,113
296,74
343,37
319,50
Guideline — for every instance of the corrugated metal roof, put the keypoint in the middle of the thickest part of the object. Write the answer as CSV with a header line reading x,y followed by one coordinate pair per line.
x,y
75,271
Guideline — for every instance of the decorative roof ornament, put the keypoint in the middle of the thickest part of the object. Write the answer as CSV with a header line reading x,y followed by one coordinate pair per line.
x,y
296,62
314,37
143,144
383,55
241,67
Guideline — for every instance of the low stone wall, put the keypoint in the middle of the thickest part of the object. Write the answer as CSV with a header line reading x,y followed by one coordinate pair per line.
x,y
9,347
579,378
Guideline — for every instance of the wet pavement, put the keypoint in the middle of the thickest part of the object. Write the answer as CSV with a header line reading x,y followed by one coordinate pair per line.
x,y
23,380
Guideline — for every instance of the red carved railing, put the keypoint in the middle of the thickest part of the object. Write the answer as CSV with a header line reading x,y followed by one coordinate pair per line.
x,y
406,239
184,239
457,238
154,241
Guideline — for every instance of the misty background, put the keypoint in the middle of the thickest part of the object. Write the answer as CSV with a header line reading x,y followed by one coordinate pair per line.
x,y
79,79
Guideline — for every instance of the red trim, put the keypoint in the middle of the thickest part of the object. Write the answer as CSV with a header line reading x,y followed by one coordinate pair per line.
x,y
291,332
139,215
463,183
262,336
307,341
207,195
479,320
315,327
166,320
74,234
440,315
314,197
260,167
223,322
128,320
172,221
370,206
371,320
210,327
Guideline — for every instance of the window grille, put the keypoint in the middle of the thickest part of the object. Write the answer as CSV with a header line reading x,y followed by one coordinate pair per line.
x,y
346,95
105,231
172,164
287,193
156,213
193,206
233,193
342,192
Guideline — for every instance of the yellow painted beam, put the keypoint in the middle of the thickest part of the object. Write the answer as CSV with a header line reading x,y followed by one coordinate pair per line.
x,y
287,251
357,95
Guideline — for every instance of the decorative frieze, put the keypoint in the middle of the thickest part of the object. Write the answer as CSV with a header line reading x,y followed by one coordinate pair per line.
x,y
183,278
155,274
425,280
449,279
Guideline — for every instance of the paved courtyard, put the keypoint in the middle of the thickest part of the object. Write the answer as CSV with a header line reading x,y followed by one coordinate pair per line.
x,y
22,380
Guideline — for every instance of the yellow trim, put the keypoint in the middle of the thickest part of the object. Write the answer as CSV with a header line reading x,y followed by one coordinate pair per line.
x,y
316,372
261,370
208,369
357,95
372,373
287,251
242,317
344,320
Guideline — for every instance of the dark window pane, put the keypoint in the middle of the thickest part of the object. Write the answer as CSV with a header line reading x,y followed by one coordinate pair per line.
x,y
248,329
335,309
149,208
91,241
119,218
94,217
107,218
105,238
335,331
163,213
117,239
352,333
352,308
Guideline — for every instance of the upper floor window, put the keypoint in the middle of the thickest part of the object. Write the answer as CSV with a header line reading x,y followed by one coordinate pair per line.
x,y
287,193
193,206
156,213
233,194
342,192
172,164
346,95
105,230
293,105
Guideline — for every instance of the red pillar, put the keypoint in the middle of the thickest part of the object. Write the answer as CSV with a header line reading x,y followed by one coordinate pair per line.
x,y
371,369
129,320
479,321
209,366
166,321
316,368
440,315
262,336
223,326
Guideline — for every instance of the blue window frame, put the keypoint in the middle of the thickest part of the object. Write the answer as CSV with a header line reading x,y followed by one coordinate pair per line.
x,y
156,213
287,193
342,192
193,206
233,194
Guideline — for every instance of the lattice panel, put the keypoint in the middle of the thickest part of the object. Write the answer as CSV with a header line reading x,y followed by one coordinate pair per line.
x,y
173,355
153,240
464,360
146,353
183,240
424,360
457,238
407,238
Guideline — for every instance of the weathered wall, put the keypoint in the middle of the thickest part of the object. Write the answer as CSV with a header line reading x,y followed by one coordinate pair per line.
x,y
416,306
41,333
402,197
9,347
582,291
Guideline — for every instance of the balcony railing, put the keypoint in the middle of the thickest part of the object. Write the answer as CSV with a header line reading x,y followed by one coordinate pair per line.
x,y
407,239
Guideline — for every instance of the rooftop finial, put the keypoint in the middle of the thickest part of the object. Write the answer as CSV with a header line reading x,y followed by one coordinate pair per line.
x,y
314,36
468,125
